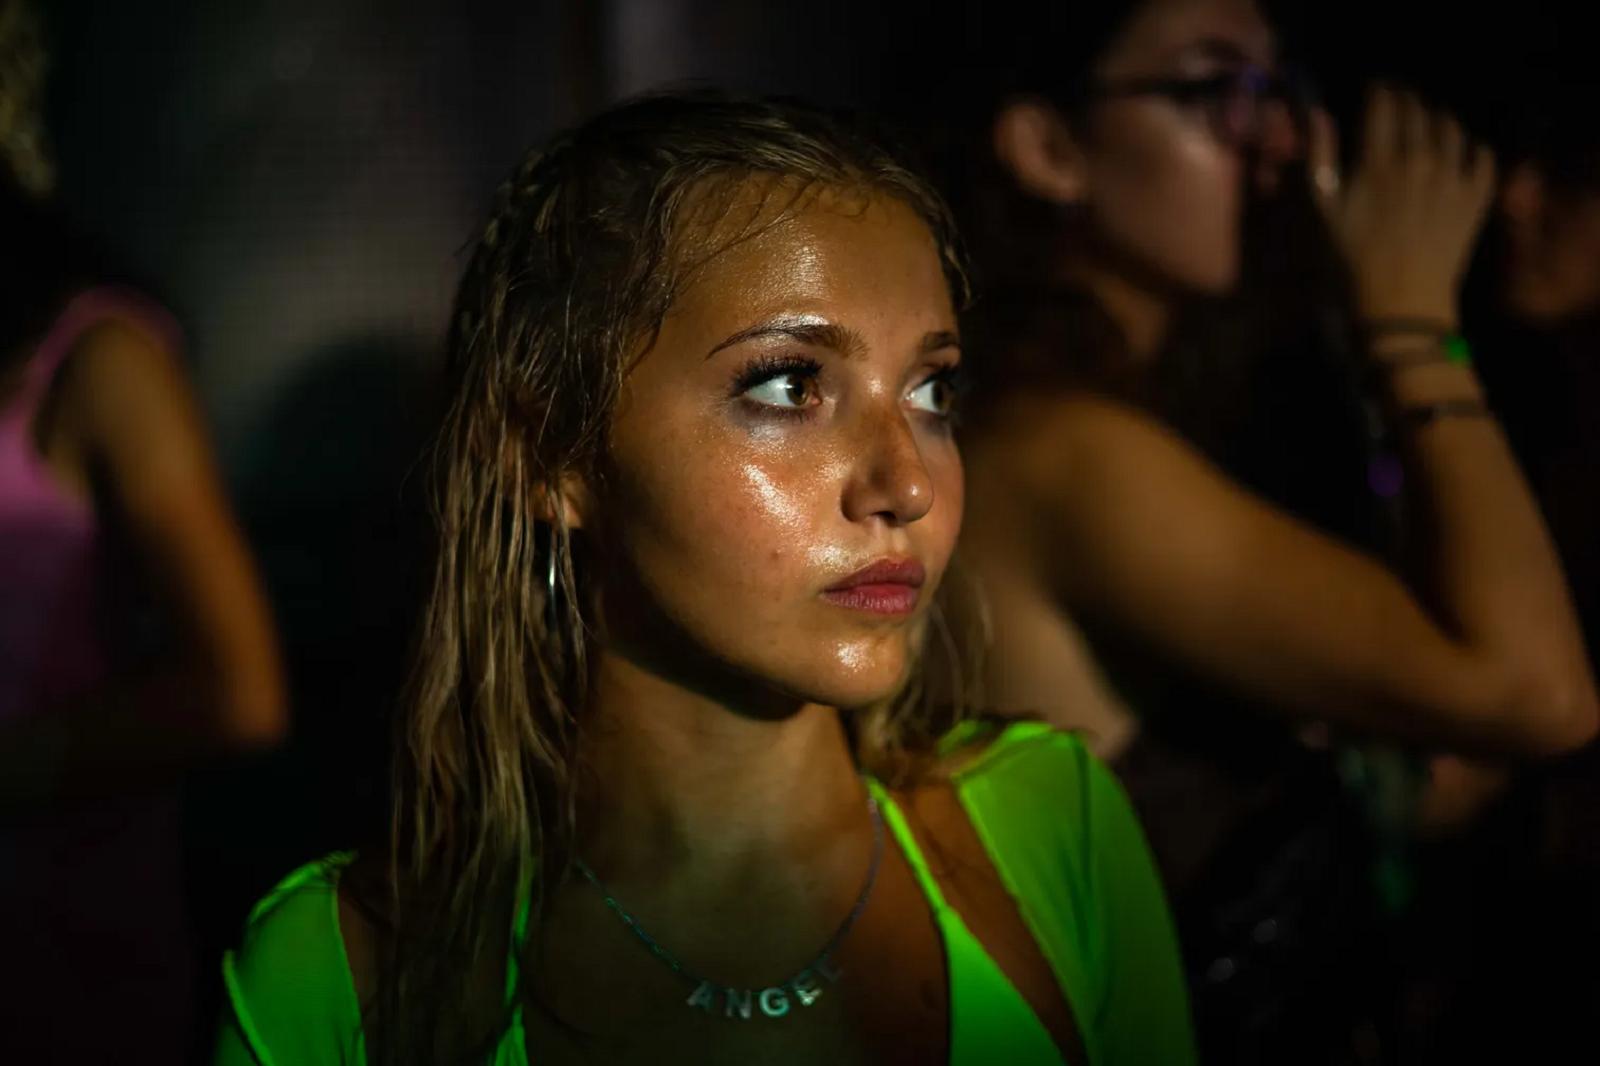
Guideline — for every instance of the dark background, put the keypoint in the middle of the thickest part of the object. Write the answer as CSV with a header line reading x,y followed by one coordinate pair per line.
x,y
296,180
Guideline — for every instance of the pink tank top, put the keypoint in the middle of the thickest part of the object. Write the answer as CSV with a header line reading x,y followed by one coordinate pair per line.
x,y
51,648
91,901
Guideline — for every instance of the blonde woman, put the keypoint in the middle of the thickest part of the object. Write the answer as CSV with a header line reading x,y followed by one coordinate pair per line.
x,y
665,789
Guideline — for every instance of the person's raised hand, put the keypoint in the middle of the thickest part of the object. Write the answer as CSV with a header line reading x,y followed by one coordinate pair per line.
x,y
1408,216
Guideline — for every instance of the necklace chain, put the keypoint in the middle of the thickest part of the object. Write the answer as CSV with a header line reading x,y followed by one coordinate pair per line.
x,y
773,1000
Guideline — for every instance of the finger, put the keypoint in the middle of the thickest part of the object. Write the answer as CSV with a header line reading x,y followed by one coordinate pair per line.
x,y
1411,127
1378,131
1481,171
1322,156
1452,144
1475,154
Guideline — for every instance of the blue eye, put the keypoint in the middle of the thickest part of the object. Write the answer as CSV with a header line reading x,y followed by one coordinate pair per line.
x,y
791,390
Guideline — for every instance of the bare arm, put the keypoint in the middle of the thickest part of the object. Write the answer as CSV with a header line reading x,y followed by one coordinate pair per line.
x,y
138,425
1157,539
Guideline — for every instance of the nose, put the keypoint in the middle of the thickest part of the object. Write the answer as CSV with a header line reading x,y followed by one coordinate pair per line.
x,y
888,479
1278,141
1281,137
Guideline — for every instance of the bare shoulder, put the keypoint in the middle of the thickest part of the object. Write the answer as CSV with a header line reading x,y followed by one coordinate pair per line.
x,y
1067,453
122,401
118,369
1085,434
1037,425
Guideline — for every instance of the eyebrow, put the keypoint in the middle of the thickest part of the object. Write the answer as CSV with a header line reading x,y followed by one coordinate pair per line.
x,y
1217,48
816,330
937,341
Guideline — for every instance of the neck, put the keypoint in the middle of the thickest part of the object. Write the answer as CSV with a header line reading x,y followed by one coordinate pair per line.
x,y
675,776
1142,314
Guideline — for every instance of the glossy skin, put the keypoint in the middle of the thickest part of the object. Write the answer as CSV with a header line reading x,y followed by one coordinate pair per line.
x,y
1076,500
1161,190
1159,183
1163,194
781,434
787,430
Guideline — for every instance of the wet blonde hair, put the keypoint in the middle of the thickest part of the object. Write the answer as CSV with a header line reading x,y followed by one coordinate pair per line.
x,y
589,242
24,148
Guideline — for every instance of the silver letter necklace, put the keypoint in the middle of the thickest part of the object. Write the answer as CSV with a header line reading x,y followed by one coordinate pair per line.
x,y
774,1001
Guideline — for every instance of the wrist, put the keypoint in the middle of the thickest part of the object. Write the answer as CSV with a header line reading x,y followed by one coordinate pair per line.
x,y
1409,320
1399,346
1429,383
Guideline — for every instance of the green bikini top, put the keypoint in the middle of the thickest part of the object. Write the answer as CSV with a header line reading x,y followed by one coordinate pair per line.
x,y
1057,828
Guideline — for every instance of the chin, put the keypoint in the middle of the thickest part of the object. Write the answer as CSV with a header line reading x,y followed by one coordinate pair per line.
x,y
855,674
1213,279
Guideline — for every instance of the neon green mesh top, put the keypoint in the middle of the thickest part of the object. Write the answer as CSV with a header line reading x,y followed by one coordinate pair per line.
x,y
1057,828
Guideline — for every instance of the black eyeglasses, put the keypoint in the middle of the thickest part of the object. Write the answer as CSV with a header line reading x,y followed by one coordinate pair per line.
x,y
1235,103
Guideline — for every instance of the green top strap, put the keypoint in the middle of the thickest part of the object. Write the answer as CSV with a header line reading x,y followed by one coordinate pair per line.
x,y
289,987
1069,849
1057,827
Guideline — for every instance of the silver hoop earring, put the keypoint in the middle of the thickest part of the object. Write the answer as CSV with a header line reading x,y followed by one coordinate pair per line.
x,y
550,571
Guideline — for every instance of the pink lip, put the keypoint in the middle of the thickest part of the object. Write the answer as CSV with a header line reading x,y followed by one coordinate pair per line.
x,y
888,586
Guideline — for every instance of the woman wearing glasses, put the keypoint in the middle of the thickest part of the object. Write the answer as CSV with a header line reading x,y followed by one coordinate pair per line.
x,y
1130,582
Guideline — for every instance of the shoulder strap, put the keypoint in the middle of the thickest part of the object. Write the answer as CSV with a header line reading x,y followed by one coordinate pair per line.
x,y
1066,842
82,313
289,990
908,845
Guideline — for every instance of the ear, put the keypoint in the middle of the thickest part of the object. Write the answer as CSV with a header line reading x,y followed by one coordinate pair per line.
x,y
571,501
1033,143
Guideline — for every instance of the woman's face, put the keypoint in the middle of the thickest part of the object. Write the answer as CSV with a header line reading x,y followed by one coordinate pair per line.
x,y
1163,186
1551,270
783,492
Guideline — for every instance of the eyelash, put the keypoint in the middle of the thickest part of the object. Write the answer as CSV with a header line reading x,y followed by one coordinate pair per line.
x,y
955,379
764,369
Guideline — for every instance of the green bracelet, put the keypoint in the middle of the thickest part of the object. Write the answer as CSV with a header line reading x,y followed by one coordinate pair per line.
x,y
1457,350
1450,348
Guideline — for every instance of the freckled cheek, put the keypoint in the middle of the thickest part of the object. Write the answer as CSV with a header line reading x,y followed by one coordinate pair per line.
x,y
788,509
761,523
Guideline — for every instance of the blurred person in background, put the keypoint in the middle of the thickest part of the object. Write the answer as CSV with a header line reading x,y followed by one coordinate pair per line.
x,y
109,501
1525,841
1544,269
1140,587
696,491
